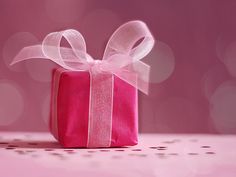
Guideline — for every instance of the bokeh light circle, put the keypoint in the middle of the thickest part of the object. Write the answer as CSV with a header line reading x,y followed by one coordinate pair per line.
x,y
46,109
11,102
230,58
213,78
222,107
13,45
40,69
162,62
65,11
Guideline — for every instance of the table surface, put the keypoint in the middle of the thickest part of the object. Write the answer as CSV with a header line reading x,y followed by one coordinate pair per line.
x,y
157,155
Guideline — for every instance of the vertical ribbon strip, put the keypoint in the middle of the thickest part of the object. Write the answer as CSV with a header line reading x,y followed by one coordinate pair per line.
x,y
100,110
126,47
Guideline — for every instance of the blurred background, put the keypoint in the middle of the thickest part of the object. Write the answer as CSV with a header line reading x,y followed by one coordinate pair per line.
x,y
193,85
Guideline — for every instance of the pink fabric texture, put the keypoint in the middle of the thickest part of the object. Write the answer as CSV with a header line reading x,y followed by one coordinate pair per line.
x,y
69,112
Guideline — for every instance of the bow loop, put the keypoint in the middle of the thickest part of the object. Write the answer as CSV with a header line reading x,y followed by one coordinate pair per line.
x,y
69,58
124,40
126,47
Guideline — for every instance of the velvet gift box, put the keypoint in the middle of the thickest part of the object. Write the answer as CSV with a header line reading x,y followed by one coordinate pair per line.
x,y
94,102
70,109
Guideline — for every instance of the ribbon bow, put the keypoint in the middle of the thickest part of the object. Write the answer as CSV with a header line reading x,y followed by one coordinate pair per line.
x,y
121,58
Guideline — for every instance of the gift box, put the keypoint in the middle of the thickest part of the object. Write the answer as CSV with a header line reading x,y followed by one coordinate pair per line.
x,y
94,102
70,110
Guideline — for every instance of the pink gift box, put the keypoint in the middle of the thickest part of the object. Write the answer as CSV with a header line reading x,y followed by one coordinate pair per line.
x,y
94,102
70,110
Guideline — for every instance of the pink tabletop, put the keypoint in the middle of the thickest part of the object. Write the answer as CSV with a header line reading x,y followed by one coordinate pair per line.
x,y
157,155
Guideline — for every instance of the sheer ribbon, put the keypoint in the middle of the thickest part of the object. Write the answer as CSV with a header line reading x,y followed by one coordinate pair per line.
x,y
126,47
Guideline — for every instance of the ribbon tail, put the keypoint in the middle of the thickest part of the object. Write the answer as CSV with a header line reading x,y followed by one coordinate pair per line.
x,y
29,53
36,52
138,69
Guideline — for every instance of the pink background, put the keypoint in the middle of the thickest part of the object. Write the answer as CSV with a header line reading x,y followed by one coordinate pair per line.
x,y
193,85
